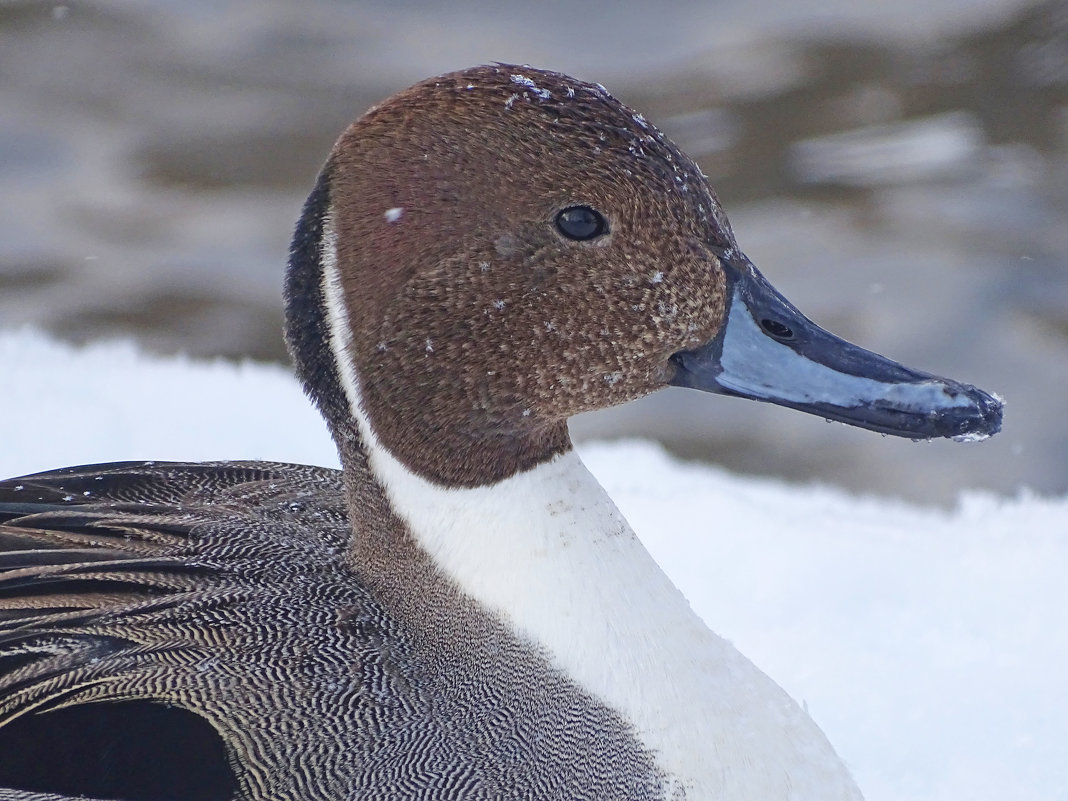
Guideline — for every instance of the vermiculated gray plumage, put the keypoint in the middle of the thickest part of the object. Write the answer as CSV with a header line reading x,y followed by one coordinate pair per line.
x,y
224,590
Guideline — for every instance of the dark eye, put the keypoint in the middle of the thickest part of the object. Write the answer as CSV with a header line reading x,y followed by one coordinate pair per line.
x,y
778,330
581,223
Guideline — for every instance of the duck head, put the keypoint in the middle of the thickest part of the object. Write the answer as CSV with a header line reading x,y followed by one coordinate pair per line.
x,y
494,250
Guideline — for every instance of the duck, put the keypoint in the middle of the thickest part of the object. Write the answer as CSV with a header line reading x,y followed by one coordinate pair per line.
x,y
460,611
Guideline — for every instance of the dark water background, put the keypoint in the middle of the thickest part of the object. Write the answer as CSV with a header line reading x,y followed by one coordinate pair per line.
x,y
898,169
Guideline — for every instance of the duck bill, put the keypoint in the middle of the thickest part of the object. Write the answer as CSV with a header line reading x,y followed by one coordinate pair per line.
x,y
769,351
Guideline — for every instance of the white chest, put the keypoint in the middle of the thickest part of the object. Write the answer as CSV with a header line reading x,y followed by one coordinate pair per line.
x,y
548,551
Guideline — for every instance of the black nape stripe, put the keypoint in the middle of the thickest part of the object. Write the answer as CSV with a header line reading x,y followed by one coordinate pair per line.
x,y
307,331
128,751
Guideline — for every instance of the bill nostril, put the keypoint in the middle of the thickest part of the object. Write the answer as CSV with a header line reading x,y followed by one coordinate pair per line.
x,y
779,330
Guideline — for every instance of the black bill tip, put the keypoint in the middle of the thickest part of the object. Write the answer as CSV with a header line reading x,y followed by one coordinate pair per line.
x,y
968,414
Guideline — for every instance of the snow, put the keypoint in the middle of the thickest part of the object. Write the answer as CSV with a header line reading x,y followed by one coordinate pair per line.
x,y
528,83
109,402
931,645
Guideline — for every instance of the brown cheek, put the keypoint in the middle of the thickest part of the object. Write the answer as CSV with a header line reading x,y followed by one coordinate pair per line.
x,y
448,347
701,306
539,332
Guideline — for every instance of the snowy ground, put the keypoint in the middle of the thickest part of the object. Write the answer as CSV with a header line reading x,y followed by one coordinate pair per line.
x,y
931,646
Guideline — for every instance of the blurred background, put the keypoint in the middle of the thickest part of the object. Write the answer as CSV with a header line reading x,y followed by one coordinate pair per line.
x,y
897,168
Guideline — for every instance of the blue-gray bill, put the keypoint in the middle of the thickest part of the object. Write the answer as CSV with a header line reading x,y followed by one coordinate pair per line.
x,y
769,351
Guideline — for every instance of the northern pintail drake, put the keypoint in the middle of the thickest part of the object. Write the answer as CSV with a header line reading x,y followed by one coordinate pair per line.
x,y
460,612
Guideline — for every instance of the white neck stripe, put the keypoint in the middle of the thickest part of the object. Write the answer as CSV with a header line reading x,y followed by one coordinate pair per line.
x,y
337,316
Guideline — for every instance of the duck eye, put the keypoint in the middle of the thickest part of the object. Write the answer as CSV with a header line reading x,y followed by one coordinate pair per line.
x,y
581,223
780,331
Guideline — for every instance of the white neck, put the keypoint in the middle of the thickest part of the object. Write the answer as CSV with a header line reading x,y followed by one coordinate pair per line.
x,y
547,551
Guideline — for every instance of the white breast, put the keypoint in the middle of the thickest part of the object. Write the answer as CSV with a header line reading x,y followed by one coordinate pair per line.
x,y
548,551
